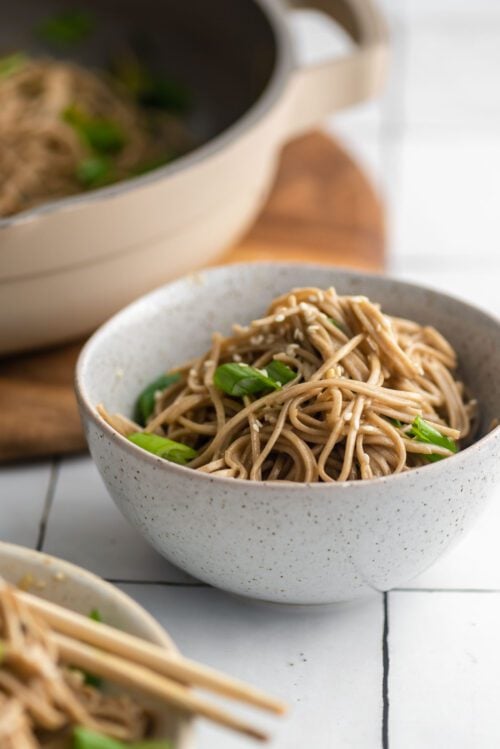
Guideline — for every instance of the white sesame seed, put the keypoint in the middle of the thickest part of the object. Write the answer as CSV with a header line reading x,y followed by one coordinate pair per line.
x,y
312,298
236,357
208,362
279,318
298,334
312,328
255,427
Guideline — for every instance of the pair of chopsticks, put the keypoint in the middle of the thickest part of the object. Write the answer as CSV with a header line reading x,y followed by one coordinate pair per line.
x,y
127,660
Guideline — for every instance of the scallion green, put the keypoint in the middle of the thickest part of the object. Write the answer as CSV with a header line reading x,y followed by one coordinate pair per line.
x,y
85,738
241,379
422,431
66,28
146,401
101,135
12,63
175,452
280,372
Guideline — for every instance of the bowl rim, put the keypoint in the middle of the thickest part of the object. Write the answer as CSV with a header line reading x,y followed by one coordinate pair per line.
x,y
75,571
135,452
256,111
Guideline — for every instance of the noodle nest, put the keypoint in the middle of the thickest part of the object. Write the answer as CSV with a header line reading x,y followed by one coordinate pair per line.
x,y
360,380
43,155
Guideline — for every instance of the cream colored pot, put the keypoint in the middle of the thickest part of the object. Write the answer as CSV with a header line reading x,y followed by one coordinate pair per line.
x,y
68,265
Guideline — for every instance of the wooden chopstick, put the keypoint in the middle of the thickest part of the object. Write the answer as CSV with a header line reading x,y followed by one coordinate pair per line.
x,y
137,677
148,655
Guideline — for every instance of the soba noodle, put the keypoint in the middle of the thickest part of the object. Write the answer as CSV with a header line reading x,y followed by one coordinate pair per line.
x,y
43,156
365,392
40,701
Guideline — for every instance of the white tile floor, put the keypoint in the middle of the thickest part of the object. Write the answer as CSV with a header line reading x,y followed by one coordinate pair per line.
x,y
420,669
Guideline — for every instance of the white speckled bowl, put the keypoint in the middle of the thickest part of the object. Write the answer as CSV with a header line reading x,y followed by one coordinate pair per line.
x,y
285,542
79,590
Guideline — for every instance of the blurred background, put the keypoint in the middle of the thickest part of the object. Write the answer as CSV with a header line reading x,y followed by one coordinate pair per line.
x,y
431,144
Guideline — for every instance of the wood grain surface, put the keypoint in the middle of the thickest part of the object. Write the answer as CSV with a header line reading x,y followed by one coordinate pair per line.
x,y
322,209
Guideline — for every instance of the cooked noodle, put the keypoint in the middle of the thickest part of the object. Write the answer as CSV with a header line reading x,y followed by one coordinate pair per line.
x,y
41,701
40,152
362,377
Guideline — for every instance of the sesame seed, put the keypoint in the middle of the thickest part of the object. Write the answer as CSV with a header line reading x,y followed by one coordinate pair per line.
x,y
312,298
298,334
279,318
236,357
255,427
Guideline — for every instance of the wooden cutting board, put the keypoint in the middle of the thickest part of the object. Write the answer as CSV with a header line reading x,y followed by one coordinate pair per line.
x,y
322,209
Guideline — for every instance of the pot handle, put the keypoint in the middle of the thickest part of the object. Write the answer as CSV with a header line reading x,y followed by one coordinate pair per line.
x,y
320,89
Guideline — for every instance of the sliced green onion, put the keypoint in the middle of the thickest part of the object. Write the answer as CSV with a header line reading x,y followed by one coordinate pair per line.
x,y
145,403
240,379
12,63
422,431
95,615
151,89
94,171
281,373
84,738
66,28
176,452
162,93
103,136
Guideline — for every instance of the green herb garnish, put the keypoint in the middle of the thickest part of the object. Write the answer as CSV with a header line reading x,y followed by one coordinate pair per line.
x,y
149,88
175,452
145,404
12,63
95,171
84,738
422,431
66,28
242,379
90,679
281,373
103,136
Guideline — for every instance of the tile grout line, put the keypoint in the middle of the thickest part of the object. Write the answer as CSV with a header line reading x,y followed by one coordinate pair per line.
x,y
49,496
385,674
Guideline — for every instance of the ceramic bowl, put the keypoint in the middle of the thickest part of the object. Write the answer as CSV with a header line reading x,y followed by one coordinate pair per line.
x,y
79,590
287,542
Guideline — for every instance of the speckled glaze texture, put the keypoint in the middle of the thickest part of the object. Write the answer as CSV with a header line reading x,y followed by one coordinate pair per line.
x,y
79,590
285,542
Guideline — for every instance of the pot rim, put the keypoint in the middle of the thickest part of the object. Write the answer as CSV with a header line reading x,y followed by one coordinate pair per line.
x,y
265,102
88,409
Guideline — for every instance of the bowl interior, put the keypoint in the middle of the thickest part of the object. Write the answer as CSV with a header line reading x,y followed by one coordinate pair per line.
x,y
79,590
222,52
175,323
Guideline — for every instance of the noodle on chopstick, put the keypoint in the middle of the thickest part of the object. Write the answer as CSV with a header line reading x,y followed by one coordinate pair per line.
x,y
322,388
42,701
